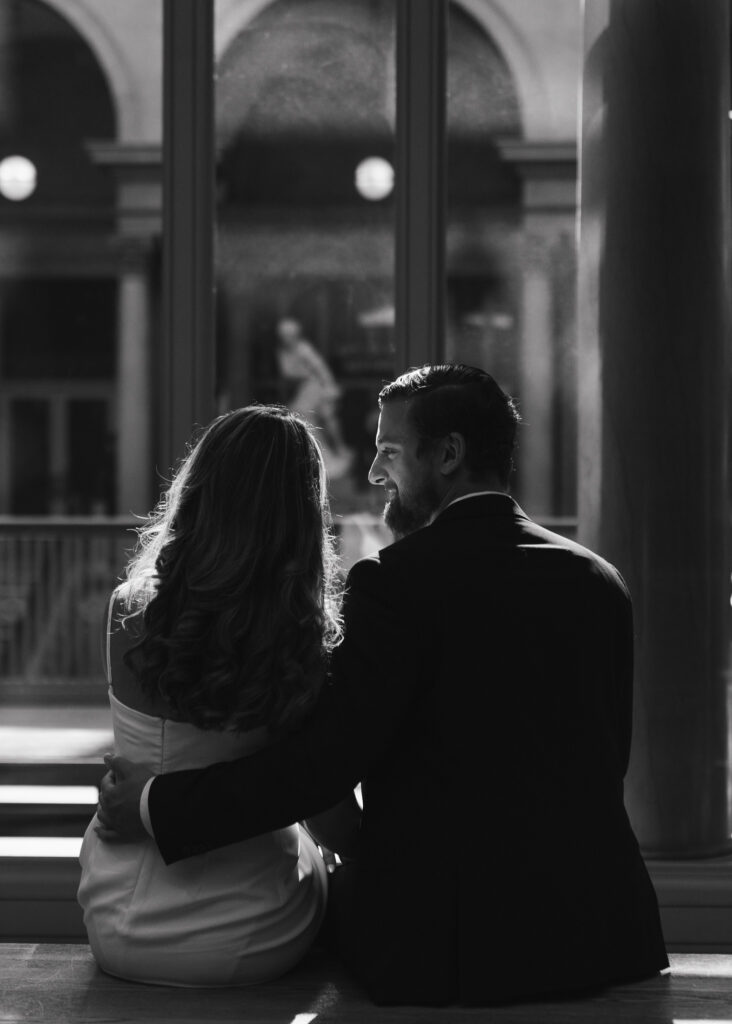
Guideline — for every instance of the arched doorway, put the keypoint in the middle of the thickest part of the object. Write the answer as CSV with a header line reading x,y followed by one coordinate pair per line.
x,y
57,281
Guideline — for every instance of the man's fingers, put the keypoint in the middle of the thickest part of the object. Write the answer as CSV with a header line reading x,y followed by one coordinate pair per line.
x,y
118,812
108,834
106,782
103,829
119,767
107,786
101,817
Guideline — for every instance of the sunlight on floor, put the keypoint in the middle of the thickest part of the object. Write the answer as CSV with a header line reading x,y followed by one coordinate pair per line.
x,y
40,846
24,743
65,733
709,966
49,795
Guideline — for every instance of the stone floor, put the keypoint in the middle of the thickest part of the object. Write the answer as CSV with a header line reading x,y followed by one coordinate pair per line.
x,y
60,984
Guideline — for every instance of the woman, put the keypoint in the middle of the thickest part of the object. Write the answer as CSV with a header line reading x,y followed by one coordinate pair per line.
x,y
216,642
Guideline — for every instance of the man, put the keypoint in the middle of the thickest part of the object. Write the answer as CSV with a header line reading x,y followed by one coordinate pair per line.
x,y
483,692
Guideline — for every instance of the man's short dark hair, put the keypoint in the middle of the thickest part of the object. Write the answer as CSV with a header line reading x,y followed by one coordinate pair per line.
x,y
451,397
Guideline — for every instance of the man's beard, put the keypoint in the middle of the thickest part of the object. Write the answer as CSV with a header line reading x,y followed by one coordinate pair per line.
x,y
404,517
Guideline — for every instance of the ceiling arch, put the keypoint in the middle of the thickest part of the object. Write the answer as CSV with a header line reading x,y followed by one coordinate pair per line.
x,y
113,61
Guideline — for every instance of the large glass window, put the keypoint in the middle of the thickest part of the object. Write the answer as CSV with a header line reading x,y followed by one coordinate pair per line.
x,y
511,256
305,109
319,125
80,221
308,147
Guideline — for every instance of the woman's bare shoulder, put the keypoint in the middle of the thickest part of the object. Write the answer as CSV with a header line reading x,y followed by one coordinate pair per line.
x,y
125,632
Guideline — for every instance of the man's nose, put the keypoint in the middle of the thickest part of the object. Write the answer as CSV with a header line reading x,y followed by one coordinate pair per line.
x,y
376,473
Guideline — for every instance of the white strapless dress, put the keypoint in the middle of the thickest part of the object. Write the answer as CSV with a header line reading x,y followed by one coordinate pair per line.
x,y
239,915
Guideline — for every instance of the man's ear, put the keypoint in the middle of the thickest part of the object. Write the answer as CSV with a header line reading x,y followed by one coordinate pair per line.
x,y
452,453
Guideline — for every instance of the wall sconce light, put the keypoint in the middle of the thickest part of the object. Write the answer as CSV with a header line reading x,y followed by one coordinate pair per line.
x,y
374,178
18,178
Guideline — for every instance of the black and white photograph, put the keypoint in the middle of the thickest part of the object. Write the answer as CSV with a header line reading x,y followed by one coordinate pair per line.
x,y
365,511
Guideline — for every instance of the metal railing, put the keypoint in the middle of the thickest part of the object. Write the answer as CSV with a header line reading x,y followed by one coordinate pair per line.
x,y
56,575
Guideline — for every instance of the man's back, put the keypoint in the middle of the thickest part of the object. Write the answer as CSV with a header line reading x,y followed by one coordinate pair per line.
x,y
495,838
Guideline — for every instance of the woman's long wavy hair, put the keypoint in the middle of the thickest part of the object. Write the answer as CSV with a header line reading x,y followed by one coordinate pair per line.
x,y
232,589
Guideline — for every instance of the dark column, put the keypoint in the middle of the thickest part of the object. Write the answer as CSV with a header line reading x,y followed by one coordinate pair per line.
x,y
187,350
420,181
654,331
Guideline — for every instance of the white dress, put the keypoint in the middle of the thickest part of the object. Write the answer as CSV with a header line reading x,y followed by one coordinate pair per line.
x,y
239,915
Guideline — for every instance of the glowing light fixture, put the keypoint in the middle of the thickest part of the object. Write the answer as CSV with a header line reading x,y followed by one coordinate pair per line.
x,y
374,178
17,178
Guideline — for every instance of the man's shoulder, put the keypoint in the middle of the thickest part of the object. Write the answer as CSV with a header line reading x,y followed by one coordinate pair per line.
x,y
366,567
411,551
393,568
412,558
577,557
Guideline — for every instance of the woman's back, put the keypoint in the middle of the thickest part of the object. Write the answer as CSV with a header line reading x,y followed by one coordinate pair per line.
x,y
238,915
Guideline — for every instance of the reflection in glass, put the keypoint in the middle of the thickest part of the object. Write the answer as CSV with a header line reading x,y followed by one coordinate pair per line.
x,y
483,202
30,464
305,257
511,260
18,177
80,135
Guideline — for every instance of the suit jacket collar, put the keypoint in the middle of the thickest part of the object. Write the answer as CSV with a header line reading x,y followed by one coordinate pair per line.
x,y
480,505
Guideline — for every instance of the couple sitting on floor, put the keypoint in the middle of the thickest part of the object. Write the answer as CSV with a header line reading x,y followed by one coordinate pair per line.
x,y
477,681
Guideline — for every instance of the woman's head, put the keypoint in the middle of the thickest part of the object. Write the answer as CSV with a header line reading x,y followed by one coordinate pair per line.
x,y
252,488
237,561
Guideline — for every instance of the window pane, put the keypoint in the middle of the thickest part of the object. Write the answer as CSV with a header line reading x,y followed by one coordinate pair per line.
x,y
30,464
511,226
90,484
58,328
305,245
80,216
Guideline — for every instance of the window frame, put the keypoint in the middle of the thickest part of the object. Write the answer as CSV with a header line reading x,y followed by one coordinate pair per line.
x,y
187,351
187,356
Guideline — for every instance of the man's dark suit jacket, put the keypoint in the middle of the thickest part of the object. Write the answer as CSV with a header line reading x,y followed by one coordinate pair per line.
x,y
484,691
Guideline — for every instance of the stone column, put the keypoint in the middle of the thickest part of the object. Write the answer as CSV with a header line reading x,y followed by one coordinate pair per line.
x,y
134,443
654,331
136,167
548,174
536,390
